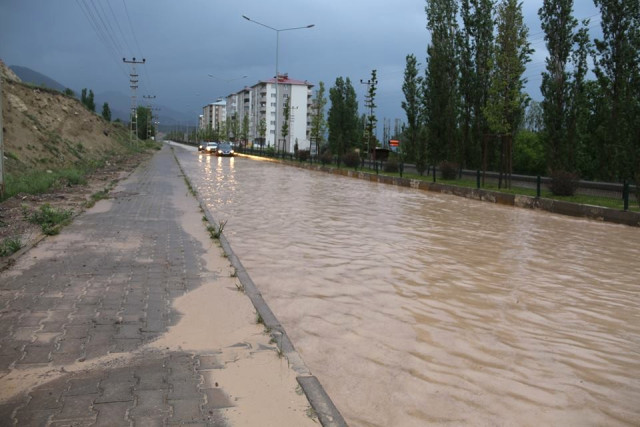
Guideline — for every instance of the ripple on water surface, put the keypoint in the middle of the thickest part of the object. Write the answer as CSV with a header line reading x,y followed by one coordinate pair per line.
x,y
414,308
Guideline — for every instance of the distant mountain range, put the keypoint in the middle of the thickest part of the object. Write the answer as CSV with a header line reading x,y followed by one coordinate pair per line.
x,y
27,75
119,103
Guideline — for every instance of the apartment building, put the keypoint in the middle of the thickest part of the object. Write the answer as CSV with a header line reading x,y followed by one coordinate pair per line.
x,y
258,103
213,114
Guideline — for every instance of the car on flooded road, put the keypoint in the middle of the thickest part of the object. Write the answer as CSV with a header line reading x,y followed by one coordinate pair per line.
x,y
225,149
211,148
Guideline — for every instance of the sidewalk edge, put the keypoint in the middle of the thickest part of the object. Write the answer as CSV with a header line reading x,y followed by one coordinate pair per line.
x,y
318,398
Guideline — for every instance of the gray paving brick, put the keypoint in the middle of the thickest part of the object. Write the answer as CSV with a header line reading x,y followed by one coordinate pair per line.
x,y
35,354
45,399
112,414
32,418
82,386
71,331
76,410
150,403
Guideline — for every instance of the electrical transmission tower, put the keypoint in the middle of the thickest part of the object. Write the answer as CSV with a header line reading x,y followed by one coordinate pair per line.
x,y
368,102
133,84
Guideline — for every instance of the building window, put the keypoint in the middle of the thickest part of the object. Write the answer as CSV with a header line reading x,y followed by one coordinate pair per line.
x,y
273,95
273,104
273,122
272,132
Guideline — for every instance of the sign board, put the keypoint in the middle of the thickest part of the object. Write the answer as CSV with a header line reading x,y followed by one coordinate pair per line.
x,y
394,142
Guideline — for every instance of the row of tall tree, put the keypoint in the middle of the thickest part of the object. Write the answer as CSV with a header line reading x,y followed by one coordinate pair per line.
x,y
469,105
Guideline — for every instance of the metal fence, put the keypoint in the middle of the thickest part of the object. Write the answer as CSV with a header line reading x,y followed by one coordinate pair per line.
x,y
589,188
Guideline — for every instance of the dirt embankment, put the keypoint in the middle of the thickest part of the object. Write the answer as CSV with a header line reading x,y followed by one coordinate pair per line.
x,y
45,130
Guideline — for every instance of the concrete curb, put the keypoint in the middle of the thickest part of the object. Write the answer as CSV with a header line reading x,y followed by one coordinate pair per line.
x,y
320,401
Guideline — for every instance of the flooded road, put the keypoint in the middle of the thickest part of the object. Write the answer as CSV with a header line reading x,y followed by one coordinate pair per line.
x,y
418,309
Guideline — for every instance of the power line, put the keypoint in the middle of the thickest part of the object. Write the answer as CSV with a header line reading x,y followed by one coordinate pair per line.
x,y
131,26
124,39
100,34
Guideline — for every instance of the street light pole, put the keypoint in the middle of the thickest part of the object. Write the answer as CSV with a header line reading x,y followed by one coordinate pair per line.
x,y
277,72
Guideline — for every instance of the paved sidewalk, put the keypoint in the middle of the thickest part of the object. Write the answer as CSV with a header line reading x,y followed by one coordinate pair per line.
x,y
86,319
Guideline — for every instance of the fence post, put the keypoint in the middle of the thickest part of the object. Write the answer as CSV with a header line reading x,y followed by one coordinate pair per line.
x,y
625,194
538,181
478,179
434,173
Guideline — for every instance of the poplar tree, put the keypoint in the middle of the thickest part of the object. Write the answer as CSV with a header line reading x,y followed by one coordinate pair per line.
x,y
441,81
318,122
505,106
284,130
106,112
559,85
414,147
245,129
617,69
343,117
475,42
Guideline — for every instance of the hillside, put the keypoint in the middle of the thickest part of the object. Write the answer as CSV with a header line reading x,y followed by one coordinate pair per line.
x,y
44,129
52,138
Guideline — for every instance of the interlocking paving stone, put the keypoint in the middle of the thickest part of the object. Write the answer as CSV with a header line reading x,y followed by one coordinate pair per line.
x,y
107,286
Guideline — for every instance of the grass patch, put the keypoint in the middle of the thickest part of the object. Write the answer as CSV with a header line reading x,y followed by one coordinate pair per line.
x,y
51,220
10,245
95,197
606,202
39,182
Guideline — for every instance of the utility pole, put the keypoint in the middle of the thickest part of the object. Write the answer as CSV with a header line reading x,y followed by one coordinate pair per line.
x,y
1,144
369,104
133,84
150,118
148,115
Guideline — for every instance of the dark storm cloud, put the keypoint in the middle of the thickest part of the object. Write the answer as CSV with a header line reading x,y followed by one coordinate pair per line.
x,y
185,41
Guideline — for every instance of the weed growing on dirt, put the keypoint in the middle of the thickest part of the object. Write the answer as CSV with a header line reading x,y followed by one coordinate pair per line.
x,y
102,194
259,319
10,245
51,220
240,287
234,273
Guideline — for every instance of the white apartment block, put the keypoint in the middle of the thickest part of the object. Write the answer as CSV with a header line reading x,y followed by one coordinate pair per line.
x,y
213,114
259,103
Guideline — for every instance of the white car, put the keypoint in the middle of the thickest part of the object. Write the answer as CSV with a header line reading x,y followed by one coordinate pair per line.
x,y
211,148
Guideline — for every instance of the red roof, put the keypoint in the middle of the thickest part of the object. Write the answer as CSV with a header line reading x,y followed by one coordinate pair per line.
x,y
284,79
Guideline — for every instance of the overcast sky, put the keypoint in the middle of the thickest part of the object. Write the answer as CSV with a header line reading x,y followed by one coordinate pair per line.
x,y
185,41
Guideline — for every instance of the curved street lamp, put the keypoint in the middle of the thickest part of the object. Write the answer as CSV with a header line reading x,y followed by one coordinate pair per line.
x,y
278,31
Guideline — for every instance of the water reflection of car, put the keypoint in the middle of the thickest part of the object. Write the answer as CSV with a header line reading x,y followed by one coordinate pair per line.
x,y
211,147
225,149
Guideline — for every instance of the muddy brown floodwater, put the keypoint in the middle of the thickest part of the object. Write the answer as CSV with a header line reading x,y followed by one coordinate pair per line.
x,y
419,309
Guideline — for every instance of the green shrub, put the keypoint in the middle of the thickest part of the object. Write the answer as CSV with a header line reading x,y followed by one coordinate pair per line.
x,y
303,155
391,165
448,170
50,220
270,151
10,245
528,154
326,158
563,183
351,159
